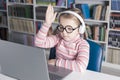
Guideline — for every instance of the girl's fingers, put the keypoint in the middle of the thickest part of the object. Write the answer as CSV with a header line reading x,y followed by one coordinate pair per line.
x,y
48,9
52,9
54,15
50,15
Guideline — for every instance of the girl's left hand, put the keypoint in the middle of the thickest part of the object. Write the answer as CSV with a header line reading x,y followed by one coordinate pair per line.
x,y
52,61
50,15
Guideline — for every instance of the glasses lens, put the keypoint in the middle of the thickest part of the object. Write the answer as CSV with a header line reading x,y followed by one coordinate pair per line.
x,y
60,28
69,29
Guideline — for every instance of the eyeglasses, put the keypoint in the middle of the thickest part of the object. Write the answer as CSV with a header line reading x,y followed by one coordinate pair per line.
x,y
67,28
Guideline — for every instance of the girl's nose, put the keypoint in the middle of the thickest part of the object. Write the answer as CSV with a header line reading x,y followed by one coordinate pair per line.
x,y
64,33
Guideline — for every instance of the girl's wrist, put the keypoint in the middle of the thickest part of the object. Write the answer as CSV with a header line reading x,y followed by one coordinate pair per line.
x,y
46,24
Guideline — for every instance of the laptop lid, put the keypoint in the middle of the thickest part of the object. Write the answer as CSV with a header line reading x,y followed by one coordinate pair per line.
x,y
23,62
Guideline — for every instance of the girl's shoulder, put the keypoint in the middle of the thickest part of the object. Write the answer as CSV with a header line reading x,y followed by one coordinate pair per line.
x,y
82,41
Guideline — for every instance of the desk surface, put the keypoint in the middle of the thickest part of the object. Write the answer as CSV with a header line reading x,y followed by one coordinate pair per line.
x,y
90,75
4,77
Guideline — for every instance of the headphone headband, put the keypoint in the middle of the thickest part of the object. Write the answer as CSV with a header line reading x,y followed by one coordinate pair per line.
x,y
78,16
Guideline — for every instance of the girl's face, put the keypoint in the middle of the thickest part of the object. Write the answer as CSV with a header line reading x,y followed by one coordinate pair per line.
x,y
65,22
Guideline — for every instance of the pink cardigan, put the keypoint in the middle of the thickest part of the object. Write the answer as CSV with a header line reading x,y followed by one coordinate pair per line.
x,y
72,55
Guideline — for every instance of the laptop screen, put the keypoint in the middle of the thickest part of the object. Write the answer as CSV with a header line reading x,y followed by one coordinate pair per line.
x,y
23,62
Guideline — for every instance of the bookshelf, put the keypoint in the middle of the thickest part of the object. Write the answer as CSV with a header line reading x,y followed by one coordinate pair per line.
x,y
96,18
102,20
21,21
113,55
3,20
25,17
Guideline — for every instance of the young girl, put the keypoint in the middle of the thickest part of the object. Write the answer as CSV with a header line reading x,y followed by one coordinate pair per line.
x,y
72,51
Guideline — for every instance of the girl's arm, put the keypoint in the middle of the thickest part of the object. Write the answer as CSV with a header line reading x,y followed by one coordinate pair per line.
x,y
41,38
44,41
80,63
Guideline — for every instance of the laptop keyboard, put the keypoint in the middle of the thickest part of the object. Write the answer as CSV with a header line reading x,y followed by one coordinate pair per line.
x,y
54,77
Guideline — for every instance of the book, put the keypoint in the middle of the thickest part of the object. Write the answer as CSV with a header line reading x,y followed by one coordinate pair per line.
x,y
40,12
114,39
93,11
24,39
38,26
114,21
29,1
60,3
3,4
21,11
77,6
102,33
70,3
85,11
115,56
89,32
3,19
103,12
3,33
107,12
46,2
98,12
109,55
115,4
30,27
28,12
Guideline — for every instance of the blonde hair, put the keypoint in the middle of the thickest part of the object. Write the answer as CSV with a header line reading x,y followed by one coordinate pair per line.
x,y
70,16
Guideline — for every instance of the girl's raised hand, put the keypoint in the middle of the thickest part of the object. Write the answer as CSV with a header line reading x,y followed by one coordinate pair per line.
x,y
50,15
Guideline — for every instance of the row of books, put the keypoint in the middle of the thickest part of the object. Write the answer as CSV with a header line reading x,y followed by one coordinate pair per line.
x,y
24,39
60,2
67,3
21,25
96,32
3,33
46,2
22,1
21,11
113,56
41,11
100,12
3,19
3,4
115,4
85,10
115,20
97,12
114,39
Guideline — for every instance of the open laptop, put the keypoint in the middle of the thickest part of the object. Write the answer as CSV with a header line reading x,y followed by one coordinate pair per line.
x,y
27,63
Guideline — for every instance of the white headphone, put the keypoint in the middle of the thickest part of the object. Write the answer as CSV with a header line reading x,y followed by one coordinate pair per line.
x,y
82,27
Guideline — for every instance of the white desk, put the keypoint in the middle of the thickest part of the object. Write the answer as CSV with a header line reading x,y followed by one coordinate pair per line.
x,y
90,75
4,77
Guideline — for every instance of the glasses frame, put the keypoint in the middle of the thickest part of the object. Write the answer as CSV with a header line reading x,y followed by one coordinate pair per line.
x,y
65,28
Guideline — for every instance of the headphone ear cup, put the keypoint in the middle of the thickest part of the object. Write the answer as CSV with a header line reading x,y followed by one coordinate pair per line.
x,y
82,29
